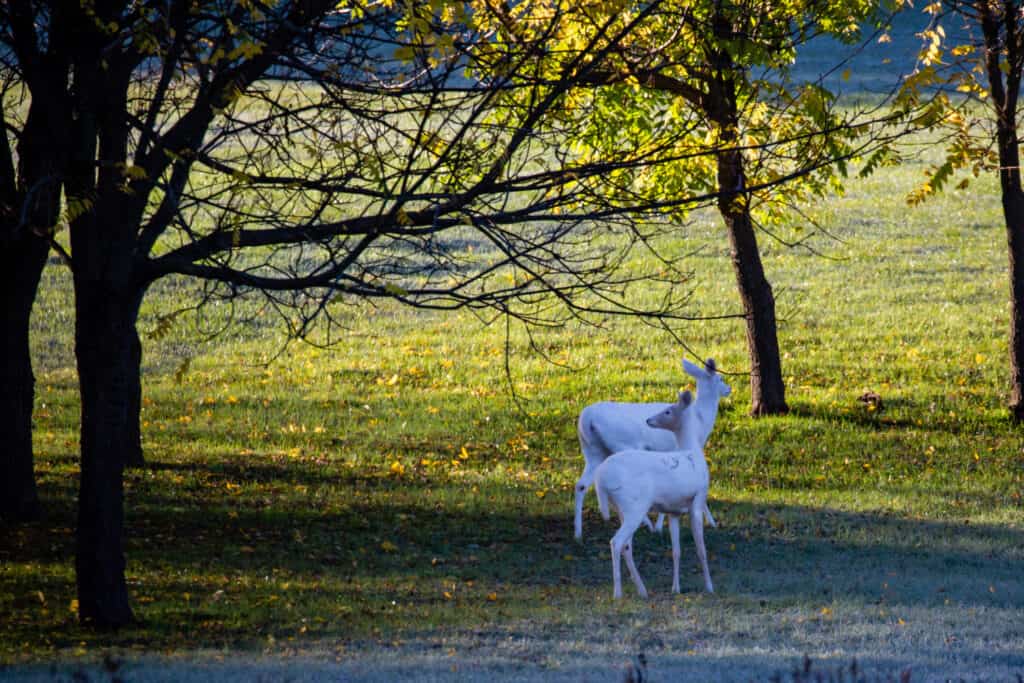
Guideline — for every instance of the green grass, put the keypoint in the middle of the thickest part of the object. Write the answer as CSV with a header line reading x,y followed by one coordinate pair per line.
x,y
385,506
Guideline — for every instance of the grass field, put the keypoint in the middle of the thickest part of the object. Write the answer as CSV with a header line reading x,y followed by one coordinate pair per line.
x,y
385,510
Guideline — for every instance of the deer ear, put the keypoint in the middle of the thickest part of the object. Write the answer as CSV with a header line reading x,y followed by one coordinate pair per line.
x,y
685,398
710,366
692,370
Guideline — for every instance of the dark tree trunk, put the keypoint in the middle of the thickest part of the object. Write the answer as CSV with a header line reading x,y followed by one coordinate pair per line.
x,y
104,332
994,19
133,455
107,302
29,210
767,388
107,299
21,265
1013,210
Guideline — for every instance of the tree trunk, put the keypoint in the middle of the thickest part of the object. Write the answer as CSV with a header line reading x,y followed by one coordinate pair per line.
x,y
1013,211
107,299
21,265
133,455
1004,94
1013,215
104,331
767,388
30,192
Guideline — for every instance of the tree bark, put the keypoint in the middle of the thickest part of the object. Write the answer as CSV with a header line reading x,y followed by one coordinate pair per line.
x,y
104,330
107,300
1004,94
133,455
1013,211
21,266
767,388
29,210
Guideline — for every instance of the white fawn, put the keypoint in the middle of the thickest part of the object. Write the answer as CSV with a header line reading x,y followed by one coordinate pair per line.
x,y
672,483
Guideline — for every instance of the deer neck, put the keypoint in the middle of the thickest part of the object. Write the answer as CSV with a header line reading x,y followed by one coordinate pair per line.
x,y
688,438
707,410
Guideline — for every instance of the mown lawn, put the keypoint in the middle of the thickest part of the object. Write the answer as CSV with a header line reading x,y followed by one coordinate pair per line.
x,y
385,507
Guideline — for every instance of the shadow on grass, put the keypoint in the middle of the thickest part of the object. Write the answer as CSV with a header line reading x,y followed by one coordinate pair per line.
x,y
781,553
364,571
897,413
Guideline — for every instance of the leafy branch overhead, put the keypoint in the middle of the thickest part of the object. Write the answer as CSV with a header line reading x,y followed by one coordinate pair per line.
x,y
968,78
318,153
660,92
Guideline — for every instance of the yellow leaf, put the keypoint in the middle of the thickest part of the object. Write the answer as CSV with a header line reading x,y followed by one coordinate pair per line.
x,y
464,454
493,597
73,607
388,546
135,172
393,381
447,595
403,218
979,358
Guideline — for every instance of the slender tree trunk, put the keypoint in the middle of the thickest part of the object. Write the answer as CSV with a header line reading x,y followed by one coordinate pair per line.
x,y
104,331
21,265
106,310
994,19
134,456
107,299
1013,210
1013,214
29,209
767,388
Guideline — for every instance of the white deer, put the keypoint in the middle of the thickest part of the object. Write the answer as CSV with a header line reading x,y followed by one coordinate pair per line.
x,y
672,483
608,427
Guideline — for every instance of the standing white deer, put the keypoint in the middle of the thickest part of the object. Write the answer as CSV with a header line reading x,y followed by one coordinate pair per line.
x,y
608,427
672,483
